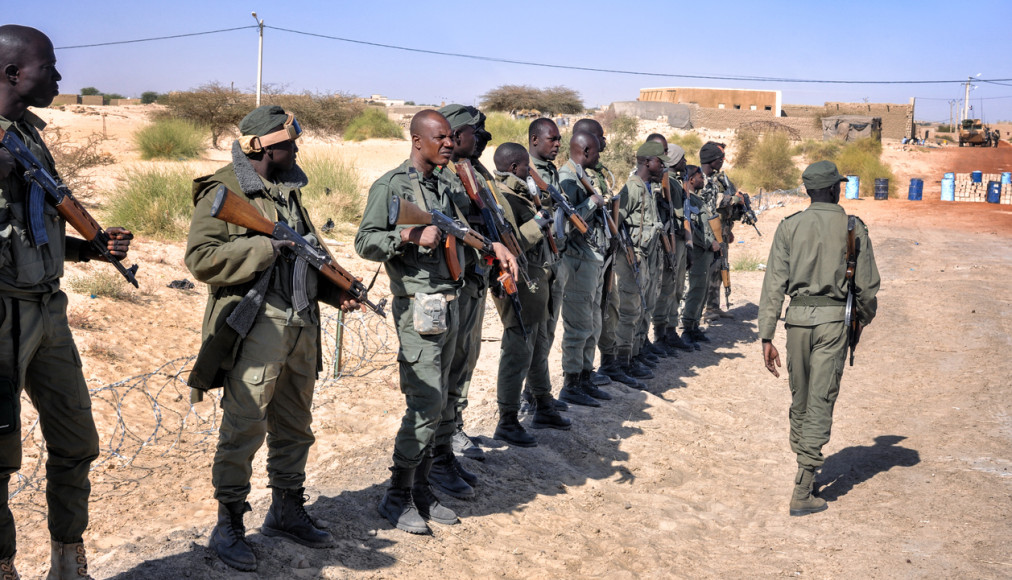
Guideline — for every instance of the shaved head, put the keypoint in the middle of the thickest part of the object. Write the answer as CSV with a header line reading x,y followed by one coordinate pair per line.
x,y
28,68
431,141
423,119
591,127
508,154
15,39
540,127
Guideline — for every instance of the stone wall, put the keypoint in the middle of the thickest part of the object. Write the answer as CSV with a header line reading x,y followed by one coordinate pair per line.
x,y
91,100
897,118
121,102
67,100
730,119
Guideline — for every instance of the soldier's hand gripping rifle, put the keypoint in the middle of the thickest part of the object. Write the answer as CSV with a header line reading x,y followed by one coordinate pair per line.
x,y
850,317
562,203
44,188
668,232
532,189
229,207
403,212
725,267
748,217
495,223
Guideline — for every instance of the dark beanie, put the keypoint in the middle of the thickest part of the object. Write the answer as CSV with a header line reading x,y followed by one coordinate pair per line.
x,y
711,152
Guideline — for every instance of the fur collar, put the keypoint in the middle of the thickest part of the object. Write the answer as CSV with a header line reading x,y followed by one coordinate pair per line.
x,y
250,181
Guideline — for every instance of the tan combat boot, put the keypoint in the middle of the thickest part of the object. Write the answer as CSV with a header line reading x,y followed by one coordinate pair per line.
x,y
68,562
803,502
7,569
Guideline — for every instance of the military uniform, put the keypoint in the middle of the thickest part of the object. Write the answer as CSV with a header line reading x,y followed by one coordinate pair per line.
x,y
424,360
583,265
268,375
37,352
550,173
702,260
638,211
672,282
610,303
719,194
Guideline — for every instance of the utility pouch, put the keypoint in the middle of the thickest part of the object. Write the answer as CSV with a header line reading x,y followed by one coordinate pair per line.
x,y
429,311
8,409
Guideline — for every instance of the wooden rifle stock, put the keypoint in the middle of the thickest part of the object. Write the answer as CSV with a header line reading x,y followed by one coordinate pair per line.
x,y
718,232
410,214
574,218
549,235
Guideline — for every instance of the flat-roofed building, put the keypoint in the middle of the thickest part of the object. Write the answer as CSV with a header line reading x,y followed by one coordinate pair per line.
x,y
732,99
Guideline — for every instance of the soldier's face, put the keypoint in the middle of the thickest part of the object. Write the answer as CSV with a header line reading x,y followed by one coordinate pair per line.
x,y
464,141
655,167
716,165
546,145
522,169
36,77
434,143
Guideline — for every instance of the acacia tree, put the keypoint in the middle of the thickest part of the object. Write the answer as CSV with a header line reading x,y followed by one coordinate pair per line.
x,y
550,101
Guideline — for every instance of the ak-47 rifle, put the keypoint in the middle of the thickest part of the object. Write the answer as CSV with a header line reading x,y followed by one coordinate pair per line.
x,y
748,217
43,188
229,207
668,232
532,189
625,244
562,203
403,212
499,230
850,317
725,267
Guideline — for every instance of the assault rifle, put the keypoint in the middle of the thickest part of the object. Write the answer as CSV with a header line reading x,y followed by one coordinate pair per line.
x,y
748,217
229,207
495,223
43,188
725,267
562,203
625,243
532,189
668,232
611,230
403,212
850,317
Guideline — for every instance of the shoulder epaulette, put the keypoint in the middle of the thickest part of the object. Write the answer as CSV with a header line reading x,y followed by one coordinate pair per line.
x,y
794,214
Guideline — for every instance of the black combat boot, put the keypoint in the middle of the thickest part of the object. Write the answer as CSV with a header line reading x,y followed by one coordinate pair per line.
x,y
611,366
511,431
661,341
599,379
444,475
546,416
287,518
526,401
228,538
636,372
673,340
697,334
398,505
572,392
645,360
687,334
590,388
651,348
425,501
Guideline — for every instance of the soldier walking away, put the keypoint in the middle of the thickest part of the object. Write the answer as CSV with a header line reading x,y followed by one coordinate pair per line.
x,y
37,351
268,360
811,261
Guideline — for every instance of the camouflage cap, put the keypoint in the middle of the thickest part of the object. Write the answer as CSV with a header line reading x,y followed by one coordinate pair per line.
x,y
262,120
676,153
821,174
460,115
711,152
653,149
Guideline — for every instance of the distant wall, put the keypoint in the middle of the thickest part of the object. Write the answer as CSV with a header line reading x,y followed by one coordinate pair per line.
x,y
121,102
91,99
729,99
724,119
67,100
897,118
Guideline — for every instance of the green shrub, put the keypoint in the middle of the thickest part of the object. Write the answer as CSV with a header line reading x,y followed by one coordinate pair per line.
x,y
333,190
768,165
170,139
550,101
944,129
155,201
746,262
148,97
505,129
329,114
104,281
863,158
691,143
619,156
813,150
373,123
213,105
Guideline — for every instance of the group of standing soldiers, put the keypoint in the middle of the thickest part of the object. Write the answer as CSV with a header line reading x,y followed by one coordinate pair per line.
x,y
556,241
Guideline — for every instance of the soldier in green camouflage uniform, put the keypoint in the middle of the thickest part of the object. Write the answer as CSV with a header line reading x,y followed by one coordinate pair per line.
x,y
638,214
583,264
722,199
37,351
807,262
418,269
704,246
268,368
522,358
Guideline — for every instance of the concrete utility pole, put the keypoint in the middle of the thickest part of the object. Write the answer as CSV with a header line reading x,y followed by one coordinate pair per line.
x,y
260,56
966,99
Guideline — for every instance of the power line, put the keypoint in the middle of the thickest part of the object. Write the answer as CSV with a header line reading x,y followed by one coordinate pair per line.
x,y
136,40
613,71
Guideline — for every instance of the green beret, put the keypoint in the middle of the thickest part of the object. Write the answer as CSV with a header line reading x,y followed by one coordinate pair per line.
x,y
821,174
460,115
263,120
711,152
653,149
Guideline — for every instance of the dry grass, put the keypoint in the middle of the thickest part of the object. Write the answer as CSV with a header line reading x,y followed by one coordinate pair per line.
x,y
334,188
106,282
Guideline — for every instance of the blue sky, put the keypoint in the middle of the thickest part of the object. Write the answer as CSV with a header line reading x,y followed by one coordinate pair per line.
x,y
856,40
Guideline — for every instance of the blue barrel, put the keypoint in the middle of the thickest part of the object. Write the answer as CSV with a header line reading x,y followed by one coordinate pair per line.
x,y
1006,177
916,189
976,176
949,176
853,186
993,192
948,189
881,188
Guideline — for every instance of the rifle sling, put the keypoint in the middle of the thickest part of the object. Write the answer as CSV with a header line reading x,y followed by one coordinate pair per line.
x,y
817,301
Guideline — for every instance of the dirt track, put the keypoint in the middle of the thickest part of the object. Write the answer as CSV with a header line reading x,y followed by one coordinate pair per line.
x,y
690,479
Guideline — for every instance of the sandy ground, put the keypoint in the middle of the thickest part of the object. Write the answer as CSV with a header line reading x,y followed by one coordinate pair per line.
x,y
689,479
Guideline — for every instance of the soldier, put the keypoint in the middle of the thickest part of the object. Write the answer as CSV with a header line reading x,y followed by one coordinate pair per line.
x,y
672,284
268,385
519,358
419,275
805,263
583,264
702,251
38,351
638,289
722,199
